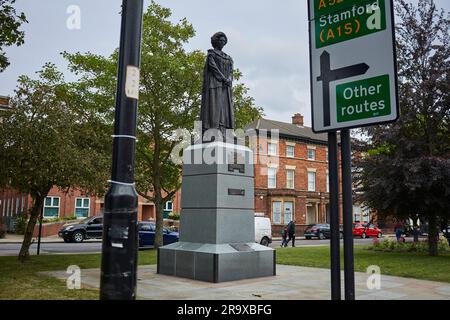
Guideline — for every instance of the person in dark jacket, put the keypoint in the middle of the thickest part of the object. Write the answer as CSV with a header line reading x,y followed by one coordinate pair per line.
x,y
291,233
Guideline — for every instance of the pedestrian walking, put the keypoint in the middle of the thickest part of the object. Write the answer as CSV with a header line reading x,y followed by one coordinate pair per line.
x,y
291,233
398,229
284,235
416,233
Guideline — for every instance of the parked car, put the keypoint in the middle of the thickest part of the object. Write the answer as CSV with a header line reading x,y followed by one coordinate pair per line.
x,y
320,231
263,231
446,232
366,230
92,228
89,228
147,234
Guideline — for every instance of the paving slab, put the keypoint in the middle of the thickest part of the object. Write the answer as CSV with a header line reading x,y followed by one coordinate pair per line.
x,y
290,283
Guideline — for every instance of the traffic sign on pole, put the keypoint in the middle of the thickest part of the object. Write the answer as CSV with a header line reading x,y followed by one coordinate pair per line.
x,y
353,63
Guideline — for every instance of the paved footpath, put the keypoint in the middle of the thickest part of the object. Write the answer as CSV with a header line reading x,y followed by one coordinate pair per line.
x,y
290,283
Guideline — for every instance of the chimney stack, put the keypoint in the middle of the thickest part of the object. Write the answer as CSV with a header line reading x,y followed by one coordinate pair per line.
x,y
297,119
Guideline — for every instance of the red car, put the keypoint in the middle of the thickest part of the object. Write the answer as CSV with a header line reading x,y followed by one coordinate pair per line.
x,y
366,230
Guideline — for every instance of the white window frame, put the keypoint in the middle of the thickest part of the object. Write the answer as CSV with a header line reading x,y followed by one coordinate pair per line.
x,y
51,206
272,177
82,206
288,147
17,205
314,153
293,178
280,213
328,181
284,212
166,208
270,152
311,174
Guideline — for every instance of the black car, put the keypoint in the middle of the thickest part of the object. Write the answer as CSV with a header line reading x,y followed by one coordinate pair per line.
x,y
89,228
320,231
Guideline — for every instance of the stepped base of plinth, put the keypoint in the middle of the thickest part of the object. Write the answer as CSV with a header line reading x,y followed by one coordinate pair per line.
x,y
216,262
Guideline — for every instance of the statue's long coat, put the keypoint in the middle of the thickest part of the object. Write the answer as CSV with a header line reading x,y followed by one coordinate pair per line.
x,y
217,103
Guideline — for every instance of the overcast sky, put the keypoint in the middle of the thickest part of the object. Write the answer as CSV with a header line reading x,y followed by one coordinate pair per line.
x,y
268,40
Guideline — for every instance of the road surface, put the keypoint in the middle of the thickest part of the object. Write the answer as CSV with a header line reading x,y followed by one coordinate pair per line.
x,y
12,249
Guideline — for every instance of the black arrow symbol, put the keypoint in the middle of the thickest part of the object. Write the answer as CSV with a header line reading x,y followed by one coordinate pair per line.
x,y
328,75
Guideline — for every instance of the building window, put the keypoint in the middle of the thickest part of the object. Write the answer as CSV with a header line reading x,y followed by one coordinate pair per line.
x,y
290,178
311,214
288,211
82,207
289,151
311,154
272,149
311,181
328,182
282,212
51,207
276,212
168,208
271,178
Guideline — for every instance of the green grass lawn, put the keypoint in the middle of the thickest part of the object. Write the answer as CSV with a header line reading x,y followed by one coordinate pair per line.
x,y
22,281
410,265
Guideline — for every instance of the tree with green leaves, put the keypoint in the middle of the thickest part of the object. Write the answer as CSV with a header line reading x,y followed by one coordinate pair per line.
x,y
169,99
48,139
10,34
406,170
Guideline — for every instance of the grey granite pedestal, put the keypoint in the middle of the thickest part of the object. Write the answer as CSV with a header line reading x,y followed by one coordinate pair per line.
x,y
217,225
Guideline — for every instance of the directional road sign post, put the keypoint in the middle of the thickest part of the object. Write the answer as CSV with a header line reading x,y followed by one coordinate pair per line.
x,y
353,84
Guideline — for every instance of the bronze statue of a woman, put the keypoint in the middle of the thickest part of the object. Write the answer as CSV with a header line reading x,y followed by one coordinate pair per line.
x,y
217,101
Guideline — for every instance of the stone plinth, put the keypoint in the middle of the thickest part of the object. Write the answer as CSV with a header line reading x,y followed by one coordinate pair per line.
x,y
217,226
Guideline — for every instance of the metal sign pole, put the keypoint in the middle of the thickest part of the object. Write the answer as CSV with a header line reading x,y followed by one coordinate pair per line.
x,y
334,216
120,235
40,233
347,208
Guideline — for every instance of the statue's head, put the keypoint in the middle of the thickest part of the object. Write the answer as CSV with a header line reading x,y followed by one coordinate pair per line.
x,y
219,40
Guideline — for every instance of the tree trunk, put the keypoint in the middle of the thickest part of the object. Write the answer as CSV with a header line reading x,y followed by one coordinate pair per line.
x,y
157,190
432,236
159,221
34,214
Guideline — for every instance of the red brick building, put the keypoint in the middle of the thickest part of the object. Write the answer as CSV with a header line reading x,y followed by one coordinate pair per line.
x,y
60,204
291,182
291,174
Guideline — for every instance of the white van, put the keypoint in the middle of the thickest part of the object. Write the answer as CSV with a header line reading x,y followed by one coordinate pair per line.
x,y
263,230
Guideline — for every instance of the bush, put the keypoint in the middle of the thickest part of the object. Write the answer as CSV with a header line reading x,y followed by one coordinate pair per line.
x,y
392,245
174,216
59,219
21,223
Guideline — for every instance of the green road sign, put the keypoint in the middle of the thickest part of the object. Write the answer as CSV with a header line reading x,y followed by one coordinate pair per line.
x,y
363,99
348,22
353,70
